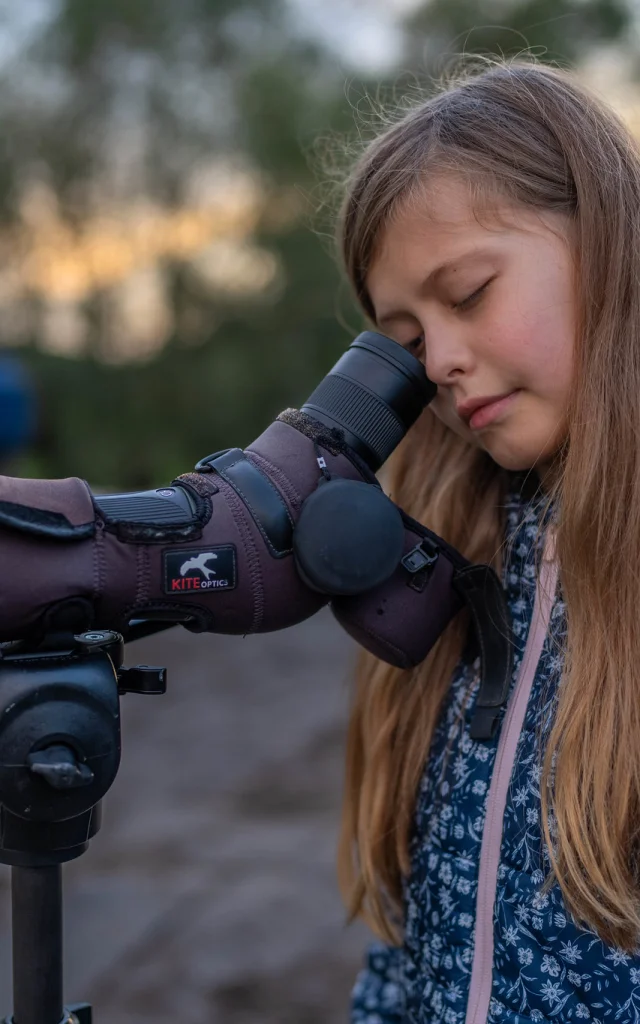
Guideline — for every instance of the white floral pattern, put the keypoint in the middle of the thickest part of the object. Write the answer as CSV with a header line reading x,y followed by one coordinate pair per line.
x,y
545,968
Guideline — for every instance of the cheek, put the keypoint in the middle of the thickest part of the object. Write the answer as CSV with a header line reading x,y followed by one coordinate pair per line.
x,y
557,339
536,350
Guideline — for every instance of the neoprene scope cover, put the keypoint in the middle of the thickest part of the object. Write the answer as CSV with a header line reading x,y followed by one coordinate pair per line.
x,y
250,541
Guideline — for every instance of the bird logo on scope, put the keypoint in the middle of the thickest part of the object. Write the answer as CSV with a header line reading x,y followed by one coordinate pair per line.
x,y
189,571
199,562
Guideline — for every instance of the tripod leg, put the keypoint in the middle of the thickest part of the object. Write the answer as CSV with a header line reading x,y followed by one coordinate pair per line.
x,y
37,944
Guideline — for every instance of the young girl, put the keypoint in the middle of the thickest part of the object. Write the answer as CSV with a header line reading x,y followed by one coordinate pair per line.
x,y
494,230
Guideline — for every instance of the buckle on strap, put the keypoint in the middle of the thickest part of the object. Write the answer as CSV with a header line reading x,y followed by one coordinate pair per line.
x,y
420,563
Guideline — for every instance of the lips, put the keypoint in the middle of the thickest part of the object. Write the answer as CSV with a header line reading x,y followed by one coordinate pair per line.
x,y
492,411
466,409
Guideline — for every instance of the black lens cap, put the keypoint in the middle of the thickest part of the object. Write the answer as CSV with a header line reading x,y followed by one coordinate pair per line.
x,y
348,539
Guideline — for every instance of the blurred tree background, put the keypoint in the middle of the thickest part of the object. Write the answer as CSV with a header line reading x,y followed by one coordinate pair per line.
x,y
167,270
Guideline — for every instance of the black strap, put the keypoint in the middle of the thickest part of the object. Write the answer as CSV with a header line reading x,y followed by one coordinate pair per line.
x,y
42,522
264,502
484,595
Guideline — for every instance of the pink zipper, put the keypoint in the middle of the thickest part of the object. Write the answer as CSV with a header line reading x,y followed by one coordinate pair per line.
x,y
482,970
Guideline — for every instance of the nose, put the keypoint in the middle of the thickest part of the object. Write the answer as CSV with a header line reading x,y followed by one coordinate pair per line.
x,y
446,357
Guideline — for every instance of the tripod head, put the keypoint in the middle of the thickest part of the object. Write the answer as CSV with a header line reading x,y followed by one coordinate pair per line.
x,y
59,754
60,739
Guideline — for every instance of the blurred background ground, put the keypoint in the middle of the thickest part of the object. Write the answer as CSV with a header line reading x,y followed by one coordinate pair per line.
x,y
209,894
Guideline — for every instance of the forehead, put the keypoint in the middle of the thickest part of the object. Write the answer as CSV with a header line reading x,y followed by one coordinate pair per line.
x,y
446,220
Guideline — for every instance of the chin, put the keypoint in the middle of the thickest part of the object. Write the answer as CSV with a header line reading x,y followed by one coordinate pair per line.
x,y
512,459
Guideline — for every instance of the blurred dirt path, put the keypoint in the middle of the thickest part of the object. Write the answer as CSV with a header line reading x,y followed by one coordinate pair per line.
x,y
209,895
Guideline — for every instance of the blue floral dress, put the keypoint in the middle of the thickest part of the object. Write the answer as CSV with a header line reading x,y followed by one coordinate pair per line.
x,y
543,967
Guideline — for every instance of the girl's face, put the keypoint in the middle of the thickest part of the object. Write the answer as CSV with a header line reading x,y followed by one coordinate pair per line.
x,y
490,311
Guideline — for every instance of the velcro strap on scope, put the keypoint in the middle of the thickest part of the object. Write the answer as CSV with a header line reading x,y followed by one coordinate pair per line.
x,y
263,500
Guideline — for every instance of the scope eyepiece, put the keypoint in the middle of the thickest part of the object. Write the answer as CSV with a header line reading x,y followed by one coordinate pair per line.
x,y
373,394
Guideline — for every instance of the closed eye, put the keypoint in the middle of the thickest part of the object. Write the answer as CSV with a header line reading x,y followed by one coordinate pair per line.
x,y
471,300
415,345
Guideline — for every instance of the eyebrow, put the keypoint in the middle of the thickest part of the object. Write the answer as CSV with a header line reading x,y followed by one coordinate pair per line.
x,y
435,275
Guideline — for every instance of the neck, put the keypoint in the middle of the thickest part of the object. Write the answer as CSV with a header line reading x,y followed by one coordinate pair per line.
x,y
548,474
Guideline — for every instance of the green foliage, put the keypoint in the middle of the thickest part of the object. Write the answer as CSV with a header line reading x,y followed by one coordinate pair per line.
x,y
555,30
136,426
190,79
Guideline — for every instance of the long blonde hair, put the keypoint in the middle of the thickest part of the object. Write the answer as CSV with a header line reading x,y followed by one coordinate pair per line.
x,y
537,137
